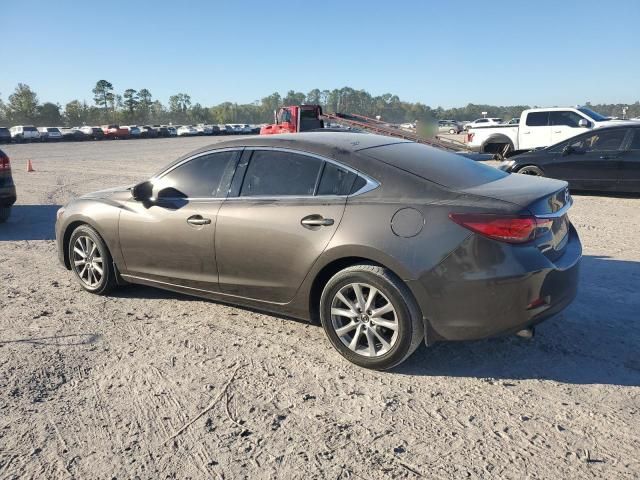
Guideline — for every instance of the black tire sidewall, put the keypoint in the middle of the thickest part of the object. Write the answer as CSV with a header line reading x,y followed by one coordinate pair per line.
x,y
405,325
107,280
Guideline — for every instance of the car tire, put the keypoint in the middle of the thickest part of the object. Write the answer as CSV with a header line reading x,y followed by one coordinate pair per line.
x,y
5,212
81,246
531,170
452,131
401,328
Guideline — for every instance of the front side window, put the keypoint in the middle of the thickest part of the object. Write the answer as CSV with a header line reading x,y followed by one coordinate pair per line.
x,y
537,119
276,173
565,118
600,141
205,176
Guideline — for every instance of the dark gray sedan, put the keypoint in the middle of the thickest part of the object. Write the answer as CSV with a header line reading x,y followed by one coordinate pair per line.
x,y
386,242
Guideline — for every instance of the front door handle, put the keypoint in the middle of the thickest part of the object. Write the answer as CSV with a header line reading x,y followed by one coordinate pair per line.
x,y
198,220
608,157
311,221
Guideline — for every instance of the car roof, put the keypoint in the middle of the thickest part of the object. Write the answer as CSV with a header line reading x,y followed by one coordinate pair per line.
x,y
327,144
314,142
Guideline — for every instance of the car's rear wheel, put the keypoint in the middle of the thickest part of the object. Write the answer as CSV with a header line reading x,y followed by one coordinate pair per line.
x,y
452,131
91,261
4,214
531,170
370,316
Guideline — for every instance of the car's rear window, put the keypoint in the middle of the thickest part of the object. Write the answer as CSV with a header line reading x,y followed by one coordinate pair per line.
x,y
2,129
444,168
53,130
30,129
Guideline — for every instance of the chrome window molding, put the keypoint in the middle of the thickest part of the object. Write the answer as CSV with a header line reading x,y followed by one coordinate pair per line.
x,y
370,184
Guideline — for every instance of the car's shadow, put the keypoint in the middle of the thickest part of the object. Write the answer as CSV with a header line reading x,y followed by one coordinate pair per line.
x,y
30,222
595,341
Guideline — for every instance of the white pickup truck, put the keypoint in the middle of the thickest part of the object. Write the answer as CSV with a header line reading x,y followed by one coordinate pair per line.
x,y
538,127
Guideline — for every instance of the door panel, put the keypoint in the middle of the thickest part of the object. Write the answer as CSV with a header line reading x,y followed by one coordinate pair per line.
x,y
159,243
593,162
629,178
171,237
535,131
263,250
564,125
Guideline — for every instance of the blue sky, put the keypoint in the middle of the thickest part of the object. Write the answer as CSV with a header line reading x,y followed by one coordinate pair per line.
x,y
535,52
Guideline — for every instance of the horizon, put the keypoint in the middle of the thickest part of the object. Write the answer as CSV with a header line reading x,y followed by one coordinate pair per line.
x,y
242,59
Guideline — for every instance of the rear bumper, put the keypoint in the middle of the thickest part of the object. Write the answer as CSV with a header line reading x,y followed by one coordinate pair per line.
x,y
485,288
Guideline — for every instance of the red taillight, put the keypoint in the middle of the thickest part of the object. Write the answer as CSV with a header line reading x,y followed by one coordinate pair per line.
x,y
4,162
470,137
505,228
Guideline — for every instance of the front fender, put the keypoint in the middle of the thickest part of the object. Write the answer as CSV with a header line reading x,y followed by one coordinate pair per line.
x,y
101,214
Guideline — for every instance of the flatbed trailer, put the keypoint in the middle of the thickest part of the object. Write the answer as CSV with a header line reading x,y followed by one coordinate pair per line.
x,y
310,118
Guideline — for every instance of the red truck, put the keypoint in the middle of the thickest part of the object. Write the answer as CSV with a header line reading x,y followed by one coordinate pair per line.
x,y
298,118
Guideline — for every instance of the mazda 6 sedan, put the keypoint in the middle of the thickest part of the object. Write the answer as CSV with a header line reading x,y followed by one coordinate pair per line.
x,y
386,242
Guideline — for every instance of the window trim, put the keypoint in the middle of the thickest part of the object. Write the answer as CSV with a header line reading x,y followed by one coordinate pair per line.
x,y
370,184
237,150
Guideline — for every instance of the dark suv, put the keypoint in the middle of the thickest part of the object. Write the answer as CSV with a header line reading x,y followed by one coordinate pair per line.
x,y
7,187
5,135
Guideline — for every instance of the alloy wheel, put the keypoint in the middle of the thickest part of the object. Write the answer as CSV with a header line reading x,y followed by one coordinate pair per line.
x,y
87,261
364,319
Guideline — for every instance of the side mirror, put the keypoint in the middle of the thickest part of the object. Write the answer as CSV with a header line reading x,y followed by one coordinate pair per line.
x,y
583,123
567,150
142,192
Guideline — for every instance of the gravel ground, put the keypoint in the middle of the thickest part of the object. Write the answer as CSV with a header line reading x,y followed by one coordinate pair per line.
x,y
150,384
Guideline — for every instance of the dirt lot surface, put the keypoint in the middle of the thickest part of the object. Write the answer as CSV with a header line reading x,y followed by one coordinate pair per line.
x,y
148,384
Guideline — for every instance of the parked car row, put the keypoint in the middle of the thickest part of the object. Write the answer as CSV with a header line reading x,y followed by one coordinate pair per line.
x,y
29,133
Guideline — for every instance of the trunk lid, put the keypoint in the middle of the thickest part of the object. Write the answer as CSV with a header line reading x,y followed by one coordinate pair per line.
x,y
547,199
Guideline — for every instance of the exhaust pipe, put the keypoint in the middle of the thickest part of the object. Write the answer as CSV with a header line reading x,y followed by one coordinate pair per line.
x,y
528,332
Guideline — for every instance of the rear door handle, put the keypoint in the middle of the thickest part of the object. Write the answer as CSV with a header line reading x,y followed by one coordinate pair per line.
x,y
311,221
608,157
198,220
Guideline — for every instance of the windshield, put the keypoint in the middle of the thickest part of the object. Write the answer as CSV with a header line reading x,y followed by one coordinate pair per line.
x,y
596,116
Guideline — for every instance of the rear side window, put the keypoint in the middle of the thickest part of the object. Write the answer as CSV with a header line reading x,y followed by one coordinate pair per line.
x,y
335,180
537,119
446,169
275,173
565,118
205,176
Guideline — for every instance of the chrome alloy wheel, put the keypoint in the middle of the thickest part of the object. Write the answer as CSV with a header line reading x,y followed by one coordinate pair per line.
x,y
87,261
364,319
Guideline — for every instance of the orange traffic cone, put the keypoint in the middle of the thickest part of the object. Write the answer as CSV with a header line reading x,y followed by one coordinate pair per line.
x,y
30,166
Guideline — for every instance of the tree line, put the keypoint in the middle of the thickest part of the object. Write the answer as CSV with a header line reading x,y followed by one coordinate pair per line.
x,y
137,106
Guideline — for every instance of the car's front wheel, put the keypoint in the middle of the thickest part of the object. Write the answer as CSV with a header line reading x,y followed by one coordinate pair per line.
x,y
370,316
91,261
